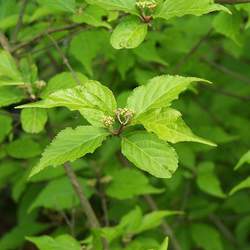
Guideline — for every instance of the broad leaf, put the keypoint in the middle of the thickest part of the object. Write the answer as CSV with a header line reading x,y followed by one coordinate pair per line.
x,y
10,95
229,25
244,159
206,237
168,125
8,67
69,145
62,242
62,81
92,15
129,34
122,5
153,220
150,154
23,148
33,120
91,94
159,92
242,185
177,8
207,180
63,196
127,183
61,5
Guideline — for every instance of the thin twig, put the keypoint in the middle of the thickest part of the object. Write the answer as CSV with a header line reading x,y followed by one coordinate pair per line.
x,y
165,226
65,60
44,34
224,230
20,20
226,71
88,210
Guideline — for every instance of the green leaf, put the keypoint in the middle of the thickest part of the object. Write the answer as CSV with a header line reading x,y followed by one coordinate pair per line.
x,y
150,154
244,159
10,95
242,185
178,8
229,26
207,180
148,52
164,245
126,6
168,125
33,120
62,81
92,15
153,220
89,98
16,236
86,46
127,183
5,125
62,5
23,148
129,34
8,66
62,242
63,196
159,92
69,145
206,237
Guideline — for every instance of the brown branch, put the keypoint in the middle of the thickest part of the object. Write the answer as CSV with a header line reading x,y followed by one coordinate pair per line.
x,y
65,60
87,209
224,230
232,1
20,20
165,226
44,34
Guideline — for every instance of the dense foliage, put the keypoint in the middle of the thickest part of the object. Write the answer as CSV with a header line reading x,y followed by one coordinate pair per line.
x,y
124,124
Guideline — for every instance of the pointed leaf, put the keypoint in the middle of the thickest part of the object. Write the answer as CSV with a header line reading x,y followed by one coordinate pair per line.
x,y
150,154
177,8
129,34
207,180
168,125
91,94
164,245
33,120
244,159
122,5
63,196
159,92
69,145
242,185
62,242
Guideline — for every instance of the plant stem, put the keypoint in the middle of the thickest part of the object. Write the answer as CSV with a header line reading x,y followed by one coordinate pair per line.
x,y
20,20
88,210
45,33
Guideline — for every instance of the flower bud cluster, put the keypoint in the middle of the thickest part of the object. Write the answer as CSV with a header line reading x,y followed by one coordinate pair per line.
x,y
124,115
108,121
146,4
